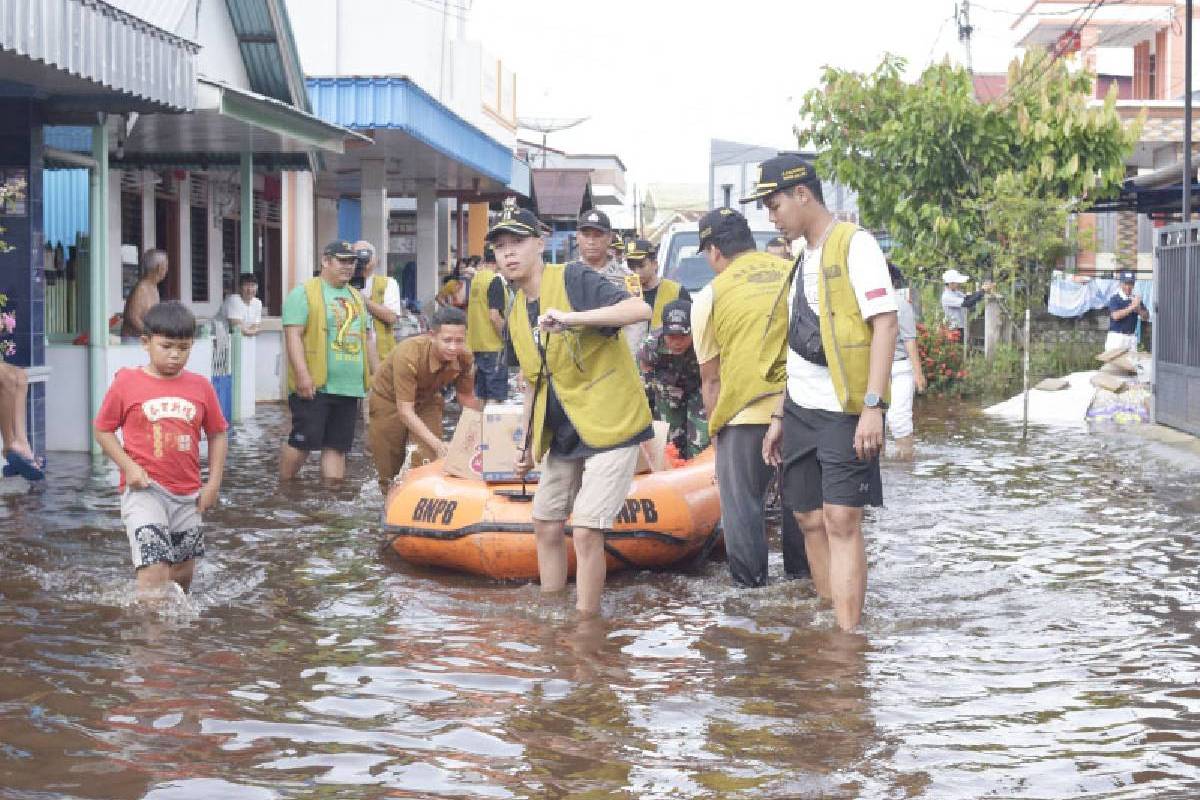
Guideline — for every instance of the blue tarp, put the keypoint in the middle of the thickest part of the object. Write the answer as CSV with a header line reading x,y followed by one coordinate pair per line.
x,y
64,206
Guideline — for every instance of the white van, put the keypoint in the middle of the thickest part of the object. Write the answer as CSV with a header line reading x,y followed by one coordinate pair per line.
x,y
679,261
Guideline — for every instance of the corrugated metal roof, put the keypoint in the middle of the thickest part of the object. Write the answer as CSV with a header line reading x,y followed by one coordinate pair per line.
x,y
100,43
268,49
165,14
560,192
396,103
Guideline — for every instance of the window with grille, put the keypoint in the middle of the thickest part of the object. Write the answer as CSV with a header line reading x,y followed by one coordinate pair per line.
x,y
199,231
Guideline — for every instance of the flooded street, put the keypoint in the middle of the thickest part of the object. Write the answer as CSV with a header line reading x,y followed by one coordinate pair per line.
x,y
1031,632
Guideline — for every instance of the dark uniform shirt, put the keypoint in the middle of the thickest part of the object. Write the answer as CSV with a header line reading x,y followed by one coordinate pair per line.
x,y
672,377
1127,324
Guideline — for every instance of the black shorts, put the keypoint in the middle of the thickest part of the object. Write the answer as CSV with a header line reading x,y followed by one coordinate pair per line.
x,y
324,423
819,463
491,376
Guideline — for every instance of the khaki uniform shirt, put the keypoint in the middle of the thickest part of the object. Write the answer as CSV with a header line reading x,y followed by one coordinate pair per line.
x,y
412,374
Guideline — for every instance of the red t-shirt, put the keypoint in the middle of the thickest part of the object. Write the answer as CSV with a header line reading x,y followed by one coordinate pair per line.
x,y
160,420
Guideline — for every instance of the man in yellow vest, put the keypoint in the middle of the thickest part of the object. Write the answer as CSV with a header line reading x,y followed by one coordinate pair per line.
x,y
585,405
827,431
727,327
381,295
641,256
486,302
329,357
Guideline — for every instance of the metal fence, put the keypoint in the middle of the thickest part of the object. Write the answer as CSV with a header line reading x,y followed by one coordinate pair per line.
x,y
1177,328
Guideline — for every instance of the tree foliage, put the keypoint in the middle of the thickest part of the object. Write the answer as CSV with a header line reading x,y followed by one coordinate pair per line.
x,y
983,186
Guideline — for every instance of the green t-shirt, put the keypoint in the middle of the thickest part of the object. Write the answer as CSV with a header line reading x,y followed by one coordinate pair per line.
x,y
346,347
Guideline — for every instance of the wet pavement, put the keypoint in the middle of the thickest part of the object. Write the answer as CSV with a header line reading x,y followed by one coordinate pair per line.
x,y
1031,632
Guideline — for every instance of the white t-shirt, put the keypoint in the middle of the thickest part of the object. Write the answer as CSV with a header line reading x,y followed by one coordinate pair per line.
x,y
809,385
235,308
391,295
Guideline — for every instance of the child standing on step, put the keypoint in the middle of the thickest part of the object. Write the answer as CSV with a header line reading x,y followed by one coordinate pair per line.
x,y
161,410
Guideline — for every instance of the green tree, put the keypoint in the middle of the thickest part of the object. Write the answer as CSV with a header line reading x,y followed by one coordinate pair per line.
x,y
984,186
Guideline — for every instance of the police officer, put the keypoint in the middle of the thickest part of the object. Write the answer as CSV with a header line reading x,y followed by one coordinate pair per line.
x,y
641,257
594,235
672,374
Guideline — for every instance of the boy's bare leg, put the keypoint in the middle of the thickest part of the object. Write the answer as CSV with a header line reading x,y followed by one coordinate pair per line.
x,y
551,554
290,461
333,465
152,577
182,573
591,568
847,563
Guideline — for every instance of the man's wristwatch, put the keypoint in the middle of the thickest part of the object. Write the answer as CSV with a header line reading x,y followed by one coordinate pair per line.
x,y
872,400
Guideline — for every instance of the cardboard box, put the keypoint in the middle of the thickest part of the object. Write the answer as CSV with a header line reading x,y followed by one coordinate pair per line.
x,y
653,455
463,457
502,438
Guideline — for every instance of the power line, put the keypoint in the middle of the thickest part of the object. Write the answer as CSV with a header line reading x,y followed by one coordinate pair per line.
x,y
1052,55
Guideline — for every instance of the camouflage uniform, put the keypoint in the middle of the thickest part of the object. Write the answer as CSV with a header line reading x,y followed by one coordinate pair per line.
x,y
674,382
623,278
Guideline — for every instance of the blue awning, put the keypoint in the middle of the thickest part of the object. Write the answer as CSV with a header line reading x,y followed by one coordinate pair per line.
x,y
396,103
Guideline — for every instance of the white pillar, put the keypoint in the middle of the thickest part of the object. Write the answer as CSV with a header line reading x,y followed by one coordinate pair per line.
x,y
443,223
327,231
373,207
427,240
300,214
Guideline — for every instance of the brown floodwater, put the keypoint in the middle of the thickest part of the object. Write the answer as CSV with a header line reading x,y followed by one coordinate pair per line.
x,y
1031,632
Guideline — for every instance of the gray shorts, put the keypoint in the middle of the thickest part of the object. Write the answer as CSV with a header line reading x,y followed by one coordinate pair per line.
x,y
162,527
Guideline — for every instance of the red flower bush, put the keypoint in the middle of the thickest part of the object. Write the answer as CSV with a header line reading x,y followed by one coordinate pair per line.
x,y
941,357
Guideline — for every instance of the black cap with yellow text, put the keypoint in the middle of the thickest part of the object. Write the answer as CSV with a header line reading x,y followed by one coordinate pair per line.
x,y
721,221
782,172
639,249
340,249
517,221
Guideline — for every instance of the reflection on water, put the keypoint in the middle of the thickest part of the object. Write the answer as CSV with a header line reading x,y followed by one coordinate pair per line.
x,y
1031,632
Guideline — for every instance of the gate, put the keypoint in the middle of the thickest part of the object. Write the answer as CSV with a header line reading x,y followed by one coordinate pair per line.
x,y
1176,328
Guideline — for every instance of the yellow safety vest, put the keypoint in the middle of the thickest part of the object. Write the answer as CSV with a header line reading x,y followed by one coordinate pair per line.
x,y
742,297
593,375
481,334
668,291
316,337
845,335
385,340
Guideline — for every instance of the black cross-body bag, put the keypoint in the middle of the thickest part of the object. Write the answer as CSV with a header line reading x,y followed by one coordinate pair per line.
x,y
804,329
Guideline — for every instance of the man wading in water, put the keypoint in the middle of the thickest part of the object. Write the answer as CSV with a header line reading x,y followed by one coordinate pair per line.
x,y
585,403
827,432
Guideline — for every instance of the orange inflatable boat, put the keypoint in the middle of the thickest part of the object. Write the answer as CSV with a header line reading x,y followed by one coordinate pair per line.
x,y
670,518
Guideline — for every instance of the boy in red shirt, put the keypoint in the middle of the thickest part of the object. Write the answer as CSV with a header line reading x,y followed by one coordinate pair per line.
x,y
161,410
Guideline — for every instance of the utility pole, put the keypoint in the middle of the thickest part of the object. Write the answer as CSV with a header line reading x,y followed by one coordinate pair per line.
x,y
962,16
1187,117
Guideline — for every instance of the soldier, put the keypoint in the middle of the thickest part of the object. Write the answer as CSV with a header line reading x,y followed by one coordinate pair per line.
x,y
672,374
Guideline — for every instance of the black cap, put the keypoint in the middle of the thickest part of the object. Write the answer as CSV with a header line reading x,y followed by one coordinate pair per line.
x,y
720,221
638,249
677,317
781,172
594,218
489,254
340,249
519,221
897,275
779,241
1128,277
